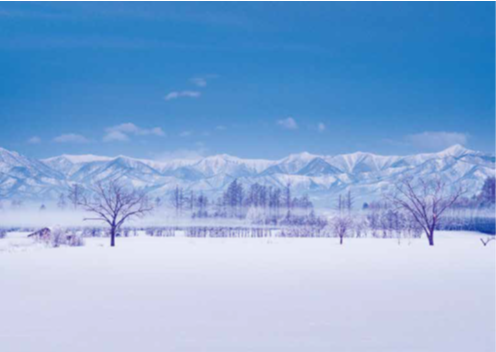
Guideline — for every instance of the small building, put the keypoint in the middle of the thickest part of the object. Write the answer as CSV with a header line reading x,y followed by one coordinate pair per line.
x,y
43,234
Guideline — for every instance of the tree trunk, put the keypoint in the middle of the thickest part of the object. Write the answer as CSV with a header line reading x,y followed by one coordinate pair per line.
x,y
430,237
340,239
112,236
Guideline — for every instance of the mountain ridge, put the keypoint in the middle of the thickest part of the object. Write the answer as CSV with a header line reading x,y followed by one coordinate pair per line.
x,y
323,177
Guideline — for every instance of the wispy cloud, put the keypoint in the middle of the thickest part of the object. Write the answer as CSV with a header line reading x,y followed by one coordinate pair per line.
x,y
185,134
182,94
199,81
288,123
436,140
122,132
321,127
221,128
34,140
115,136
71,138
202,81
131,128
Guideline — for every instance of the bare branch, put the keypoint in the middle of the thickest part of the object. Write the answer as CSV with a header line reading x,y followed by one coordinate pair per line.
x,y
485,242
114,204
426,203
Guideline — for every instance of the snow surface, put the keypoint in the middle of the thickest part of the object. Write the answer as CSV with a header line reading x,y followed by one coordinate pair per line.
x,y
235,295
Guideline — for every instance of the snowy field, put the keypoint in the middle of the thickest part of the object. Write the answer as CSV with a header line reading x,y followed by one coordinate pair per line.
x,y
236,295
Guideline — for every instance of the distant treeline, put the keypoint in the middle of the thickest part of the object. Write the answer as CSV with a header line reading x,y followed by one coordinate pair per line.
x,y
259,203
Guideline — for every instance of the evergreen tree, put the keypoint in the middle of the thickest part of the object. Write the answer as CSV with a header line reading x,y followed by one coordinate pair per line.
x,y
177,200
487,194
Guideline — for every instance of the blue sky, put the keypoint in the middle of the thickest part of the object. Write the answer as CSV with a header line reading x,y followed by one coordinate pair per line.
x,y
260,80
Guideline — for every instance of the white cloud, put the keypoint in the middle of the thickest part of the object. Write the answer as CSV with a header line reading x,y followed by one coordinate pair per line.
x,y
288,123
199,81
157,131
185,134
125,128
436,140
202,81
34,140
122,132
115,136
182,94
221,128
321,127
71,138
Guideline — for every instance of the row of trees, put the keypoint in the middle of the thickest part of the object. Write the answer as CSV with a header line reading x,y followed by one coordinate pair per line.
x,y
276,200
484,199
488,193
238,202
424,202
64,200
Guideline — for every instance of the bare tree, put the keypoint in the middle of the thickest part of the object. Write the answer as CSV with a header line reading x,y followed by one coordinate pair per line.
x,y
342,225
177,199
158,202
426,203
114,204
274,201
61,202
288,200
202,205
345,202
233,199
487,240
75,195
350,201
340,205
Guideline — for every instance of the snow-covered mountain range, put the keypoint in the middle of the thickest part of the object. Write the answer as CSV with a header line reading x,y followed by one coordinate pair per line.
x,y
321,177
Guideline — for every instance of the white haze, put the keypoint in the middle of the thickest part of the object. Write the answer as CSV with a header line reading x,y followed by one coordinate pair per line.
x,y
33,217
